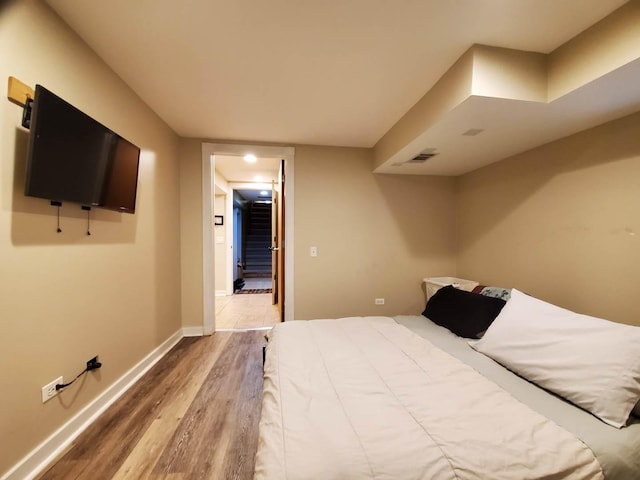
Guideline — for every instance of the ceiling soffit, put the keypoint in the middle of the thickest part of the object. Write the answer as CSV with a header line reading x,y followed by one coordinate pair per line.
x,y
518,100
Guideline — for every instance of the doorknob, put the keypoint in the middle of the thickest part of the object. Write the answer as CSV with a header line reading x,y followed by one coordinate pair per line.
x,y
273,249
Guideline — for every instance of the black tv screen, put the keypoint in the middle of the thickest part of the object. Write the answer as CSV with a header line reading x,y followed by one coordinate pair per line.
x,y
74,158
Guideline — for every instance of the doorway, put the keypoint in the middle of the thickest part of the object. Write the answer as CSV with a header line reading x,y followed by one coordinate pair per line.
x,y
252,239
241,306
249,304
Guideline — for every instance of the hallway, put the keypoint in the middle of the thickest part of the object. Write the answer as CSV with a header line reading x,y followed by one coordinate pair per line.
x,y
247,311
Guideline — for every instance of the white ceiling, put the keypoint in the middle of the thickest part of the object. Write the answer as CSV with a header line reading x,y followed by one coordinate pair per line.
x,y
235,169
331,72
249,179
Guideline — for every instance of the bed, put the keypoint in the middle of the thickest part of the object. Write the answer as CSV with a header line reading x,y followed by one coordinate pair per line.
x,y
404,398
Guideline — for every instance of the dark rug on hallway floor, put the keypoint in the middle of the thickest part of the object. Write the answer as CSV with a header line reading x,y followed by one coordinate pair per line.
x,y
254,290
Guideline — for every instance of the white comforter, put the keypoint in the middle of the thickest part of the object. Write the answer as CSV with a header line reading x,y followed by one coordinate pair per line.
x,y
363,398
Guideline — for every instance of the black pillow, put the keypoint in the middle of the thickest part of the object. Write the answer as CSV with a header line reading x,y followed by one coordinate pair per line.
x,y
464,313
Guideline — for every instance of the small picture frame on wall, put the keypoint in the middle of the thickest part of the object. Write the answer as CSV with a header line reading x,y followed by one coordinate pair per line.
x,y
218,220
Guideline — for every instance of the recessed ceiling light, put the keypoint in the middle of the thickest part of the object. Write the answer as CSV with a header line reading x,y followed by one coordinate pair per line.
x,y
264,192
250,158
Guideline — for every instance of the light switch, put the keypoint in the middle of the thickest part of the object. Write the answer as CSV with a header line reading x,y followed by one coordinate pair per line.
x,y
314,252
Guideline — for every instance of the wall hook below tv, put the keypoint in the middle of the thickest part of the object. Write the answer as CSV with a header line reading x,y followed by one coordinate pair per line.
x,y
55,203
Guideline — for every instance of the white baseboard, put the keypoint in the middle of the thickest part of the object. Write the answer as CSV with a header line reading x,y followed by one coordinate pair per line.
x,y
248,329
221,293
41,456
192,331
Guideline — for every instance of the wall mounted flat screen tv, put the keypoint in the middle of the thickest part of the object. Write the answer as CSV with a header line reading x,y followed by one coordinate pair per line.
x,y
74,158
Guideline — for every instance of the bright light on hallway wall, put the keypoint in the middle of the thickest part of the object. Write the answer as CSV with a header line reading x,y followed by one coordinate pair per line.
x,y
250,158
147,159
146,168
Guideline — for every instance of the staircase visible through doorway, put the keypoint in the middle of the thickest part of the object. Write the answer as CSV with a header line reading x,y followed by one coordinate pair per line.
x,y
258,241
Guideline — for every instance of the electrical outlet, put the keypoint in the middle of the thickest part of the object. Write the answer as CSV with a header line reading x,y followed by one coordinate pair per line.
x,y
379,301
49,391
91,363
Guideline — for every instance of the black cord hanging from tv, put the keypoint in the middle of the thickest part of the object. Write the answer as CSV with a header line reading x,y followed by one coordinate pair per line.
x,y
88,209
57,204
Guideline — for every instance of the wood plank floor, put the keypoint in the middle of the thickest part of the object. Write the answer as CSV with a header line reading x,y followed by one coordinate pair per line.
x,y
194,415
246,311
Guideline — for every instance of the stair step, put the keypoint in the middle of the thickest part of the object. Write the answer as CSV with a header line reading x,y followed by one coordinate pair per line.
x,y
258,249
258,261
257,274
260,257
257,256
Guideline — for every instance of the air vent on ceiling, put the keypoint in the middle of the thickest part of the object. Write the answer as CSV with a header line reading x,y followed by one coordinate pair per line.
x,y
418,159
423,156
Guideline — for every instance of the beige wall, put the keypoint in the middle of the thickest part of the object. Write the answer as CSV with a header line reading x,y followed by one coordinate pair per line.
x,y
67,297
191,232
507,73
376,235
600,49
219,232
560,222
221,255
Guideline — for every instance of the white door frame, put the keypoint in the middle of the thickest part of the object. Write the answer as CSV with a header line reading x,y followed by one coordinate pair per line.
x,y
209,151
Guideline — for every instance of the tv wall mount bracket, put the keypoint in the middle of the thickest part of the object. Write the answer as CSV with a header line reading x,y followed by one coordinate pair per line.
x,y
26,113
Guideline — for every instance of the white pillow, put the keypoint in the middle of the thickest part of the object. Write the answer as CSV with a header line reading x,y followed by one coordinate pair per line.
x,y
589,361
